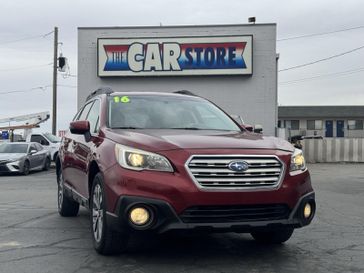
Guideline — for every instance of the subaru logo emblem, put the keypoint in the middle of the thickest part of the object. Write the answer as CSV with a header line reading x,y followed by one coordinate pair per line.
x,y
238,166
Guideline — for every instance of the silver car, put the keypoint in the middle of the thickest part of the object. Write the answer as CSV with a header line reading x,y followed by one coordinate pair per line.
x,y
21,157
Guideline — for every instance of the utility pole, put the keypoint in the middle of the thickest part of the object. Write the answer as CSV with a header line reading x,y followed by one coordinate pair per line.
x,y
54,106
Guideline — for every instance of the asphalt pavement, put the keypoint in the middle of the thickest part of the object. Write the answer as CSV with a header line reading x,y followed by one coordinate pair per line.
x,y
34,238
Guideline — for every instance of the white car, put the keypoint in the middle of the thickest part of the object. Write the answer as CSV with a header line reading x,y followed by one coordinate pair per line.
x,y
48,141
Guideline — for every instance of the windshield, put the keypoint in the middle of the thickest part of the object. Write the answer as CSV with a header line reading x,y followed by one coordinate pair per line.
x,y
166,112
52,138
13,148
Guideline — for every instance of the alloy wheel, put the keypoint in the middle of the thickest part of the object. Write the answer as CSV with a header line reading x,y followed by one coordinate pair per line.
x,y
26,168
97,213
60,190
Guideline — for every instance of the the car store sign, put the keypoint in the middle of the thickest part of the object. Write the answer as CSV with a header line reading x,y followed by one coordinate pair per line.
x,y
227,55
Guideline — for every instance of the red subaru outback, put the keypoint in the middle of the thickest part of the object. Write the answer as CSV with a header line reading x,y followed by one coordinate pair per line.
x,y
162,162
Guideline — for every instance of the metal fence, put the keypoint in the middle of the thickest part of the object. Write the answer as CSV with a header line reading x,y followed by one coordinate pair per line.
x,y
334,150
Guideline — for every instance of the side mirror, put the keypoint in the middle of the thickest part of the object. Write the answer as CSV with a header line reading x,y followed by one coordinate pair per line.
x,y
249,127
81,127
258,129
32,152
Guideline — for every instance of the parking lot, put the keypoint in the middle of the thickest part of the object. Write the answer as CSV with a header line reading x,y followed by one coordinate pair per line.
x,y
34,238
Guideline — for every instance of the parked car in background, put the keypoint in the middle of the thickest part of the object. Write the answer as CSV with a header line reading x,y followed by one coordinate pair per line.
x,y
48,141
158,162
22,157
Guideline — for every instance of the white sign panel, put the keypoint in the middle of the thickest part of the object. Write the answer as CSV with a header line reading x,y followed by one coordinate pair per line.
x,y
225,55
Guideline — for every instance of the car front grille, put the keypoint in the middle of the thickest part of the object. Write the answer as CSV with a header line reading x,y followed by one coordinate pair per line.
x,y
212,172
235,213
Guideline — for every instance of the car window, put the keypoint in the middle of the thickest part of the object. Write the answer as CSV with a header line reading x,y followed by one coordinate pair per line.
x,y
38,146
85,111
32,147
93,116
39,139
77,114
52,138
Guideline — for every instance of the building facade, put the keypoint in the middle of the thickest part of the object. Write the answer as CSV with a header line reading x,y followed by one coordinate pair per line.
x,y
235,66
325,121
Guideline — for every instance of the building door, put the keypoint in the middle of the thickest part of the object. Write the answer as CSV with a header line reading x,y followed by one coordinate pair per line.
x,y
339,128
329,128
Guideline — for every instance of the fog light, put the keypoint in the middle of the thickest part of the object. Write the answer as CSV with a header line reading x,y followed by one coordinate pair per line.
x,y
307,210
139,216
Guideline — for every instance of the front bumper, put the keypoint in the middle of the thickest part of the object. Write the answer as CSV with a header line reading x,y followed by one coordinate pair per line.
x,y
166,219
170,195
10,167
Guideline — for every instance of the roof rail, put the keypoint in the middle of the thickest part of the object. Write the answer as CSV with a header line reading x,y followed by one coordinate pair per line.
x,y
101,90
185,92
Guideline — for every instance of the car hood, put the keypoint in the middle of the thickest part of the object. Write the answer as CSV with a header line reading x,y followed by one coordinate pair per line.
x,y
11,156
163,139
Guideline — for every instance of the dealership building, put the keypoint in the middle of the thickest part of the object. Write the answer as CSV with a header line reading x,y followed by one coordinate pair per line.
x,y
235,66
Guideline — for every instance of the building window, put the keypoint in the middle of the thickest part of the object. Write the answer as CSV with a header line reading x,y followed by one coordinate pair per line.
x,y
314,125
355,125
295,124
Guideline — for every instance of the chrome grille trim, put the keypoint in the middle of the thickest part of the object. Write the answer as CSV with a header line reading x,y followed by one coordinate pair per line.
x,y
211,173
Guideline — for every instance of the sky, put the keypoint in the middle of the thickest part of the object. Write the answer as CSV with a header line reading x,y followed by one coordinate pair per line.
x,y
25,65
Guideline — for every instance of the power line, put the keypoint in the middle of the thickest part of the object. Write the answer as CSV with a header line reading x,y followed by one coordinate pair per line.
x,y
318,34
27,38
342,73
25,67
36,88
322,60
43,88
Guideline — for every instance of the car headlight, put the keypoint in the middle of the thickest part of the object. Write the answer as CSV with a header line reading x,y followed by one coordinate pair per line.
x,y
298,162
15,162
138,160
12,161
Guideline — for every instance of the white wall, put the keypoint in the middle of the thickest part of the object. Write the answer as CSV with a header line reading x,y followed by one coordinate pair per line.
x,y
334,150
253,97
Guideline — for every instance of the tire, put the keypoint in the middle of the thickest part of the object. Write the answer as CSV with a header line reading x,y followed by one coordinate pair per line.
x,y
106,241
66,206
47,164
26,167
55,157
276,236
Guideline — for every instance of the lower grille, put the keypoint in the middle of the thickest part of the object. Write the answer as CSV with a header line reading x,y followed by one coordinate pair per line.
x,y
235,213
4,169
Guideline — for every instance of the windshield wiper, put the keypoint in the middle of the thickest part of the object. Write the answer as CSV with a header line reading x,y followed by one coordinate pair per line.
x,y
126,127
186,128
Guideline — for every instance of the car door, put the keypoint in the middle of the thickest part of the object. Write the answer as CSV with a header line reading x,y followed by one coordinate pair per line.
x,y
43,154
75,155
34,157
83,150
93,118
